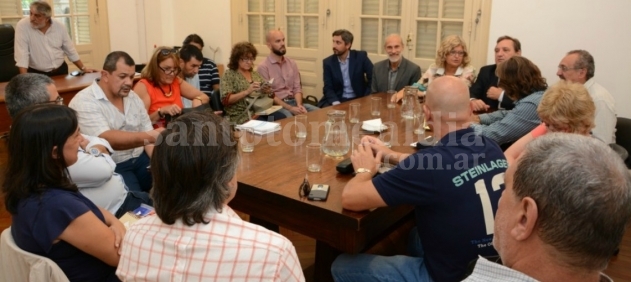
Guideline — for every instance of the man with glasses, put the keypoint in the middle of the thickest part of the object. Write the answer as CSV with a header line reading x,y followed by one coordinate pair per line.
x,y
41,42
111,110
347,73
94,170
284,71
578,67
485,93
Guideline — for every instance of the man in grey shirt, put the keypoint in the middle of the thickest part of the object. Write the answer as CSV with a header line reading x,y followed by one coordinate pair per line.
x,y
395,72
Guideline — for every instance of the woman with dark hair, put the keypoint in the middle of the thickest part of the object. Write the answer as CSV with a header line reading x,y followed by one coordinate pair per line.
x,y
522,82
194,226
241,80
162,89
50,217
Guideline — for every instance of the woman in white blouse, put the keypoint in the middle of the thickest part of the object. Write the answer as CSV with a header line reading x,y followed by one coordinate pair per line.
x,y
452,59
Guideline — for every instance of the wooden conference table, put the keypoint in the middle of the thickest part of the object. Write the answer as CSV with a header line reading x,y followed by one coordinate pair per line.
x,y
67,86
270,176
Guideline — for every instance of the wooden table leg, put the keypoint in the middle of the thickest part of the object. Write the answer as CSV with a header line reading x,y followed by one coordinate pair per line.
x,y
264,223
324,257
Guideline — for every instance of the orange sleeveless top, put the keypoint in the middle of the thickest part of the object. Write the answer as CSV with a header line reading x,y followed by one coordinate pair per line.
x,y
158,97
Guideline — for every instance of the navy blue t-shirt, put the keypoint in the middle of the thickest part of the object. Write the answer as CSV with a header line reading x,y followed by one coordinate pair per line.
x,y
41,219
455,187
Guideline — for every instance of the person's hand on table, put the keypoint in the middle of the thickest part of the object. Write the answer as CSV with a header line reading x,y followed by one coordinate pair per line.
x,y
397,97
478,105
494,92
363,157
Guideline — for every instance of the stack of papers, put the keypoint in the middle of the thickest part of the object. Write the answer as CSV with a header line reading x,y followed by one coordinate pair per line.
x,y
260,127
374,125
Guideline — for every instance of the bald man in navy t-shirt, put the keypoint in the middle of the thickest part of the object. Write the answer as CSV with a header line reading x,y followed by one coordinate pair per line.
x,y
454,186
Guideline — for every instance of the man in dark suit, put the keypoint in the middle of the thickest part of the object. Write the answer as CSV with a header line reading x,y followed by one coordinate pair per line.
x,y
395,72
484,92
347,73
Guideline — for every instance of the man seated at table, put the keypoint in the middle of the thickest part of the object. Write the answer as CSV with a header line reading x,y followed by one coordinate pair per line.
x,y
347,73
94,170
395,72
564,211
485,92
195,235
190,61
208,72
111,110
286,85
454,186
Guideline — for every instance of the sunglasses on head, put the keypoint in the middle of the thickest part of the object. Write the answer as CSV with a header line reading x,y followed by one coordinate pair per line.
x,y
165,52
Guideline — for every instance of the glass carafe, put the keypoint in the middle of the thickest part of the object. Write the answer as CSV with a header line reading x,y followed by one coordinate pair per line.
x,y
409,102
335,142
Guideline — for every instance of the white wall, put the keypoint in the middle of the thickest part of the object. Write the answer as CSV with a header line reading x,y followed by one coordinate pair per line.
x,y
137,28
549,29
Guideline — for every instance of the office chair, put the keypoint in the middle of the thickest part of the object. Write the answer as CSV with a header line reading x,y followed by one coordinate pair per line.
x,y
7,61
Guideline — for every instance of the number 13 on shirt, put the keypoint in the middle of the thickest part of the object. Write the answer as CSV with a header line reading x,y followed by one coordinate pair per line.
x,y
487,208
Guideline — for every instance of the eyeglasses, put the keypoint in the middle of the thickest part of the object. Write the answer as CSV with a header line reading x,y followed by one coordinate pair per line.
x,y
305,188
58,101
165,52
170,71
247,60
564,68
456,53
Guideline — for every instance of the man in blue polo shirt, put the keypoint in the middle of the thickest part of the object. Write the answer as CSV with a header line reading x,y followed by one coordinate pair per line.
x,y
455,187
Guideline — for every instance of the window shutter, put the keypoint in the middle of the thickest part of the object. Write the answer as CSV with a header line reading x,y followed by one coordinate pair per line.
x,y
444,16
254,29
385,19
302,24
453,9
312,31
10,8
293,31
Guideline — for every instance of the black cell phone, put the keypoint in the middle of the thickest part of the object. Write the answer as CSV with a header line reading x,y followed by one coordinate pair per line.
x,y
319,192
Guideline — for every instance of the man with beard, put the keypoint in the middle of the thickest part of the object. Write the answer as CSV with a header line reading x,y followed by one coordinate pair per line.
x,y
562,214
41,42
485,93
347,73
286,85
111,110
190,61
396,72
578,67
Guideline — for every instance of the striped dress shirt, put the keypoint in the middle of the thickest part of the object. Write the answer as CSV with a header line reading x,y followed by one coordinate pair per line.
x,y
504,126
225,249
42,51
208,76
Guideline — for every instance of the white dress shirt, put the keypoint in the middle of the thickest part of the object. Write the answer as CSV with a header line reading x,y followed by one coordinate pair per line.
x,y
97,114
605,118
96,179
42,51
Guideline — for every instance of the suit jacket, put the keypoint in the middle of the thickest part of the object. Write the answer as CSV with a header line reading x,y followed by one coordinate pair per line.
x,y
359,71
407,74
486,79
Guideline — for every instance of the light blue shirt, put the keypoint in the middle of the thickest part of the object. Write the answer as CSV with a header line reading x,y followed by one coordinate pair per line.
x,y
192,81
348,89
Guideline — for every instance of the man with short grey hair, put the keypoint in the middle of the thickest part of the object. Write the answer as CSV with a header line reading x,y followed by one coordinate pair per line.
x,y
563,212
578,66
395,72
94,170
41,42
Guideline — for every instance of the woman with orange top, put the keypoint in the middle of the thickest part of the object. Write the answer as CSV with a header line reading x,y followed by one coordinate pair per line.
x,y
162,90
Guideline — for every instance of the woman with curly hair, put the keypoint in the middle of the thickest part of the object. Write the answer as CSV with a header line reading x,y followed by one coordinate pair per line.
x,y
522,81
565,107
452,59
239,81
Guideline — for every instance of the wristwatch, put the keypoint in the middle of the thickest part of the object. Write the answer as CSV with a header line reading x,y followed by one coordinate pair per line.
x,y
95,152
362,170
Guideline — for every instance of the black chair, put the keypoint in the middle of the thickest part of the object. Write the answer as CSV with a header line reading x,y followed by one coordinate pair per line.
x,y
7,61
623,136
215,101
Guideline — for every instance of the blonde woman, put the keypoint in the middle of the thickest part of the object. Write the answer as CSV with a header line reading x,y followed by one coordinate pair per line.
x,y
565,107
452,58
